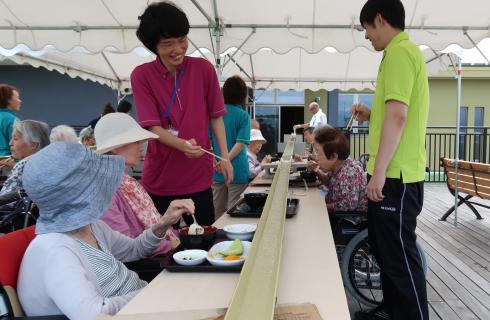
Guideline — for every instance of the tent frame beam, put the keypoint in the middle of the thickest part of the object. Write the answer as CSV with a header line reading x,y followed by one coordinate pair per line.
x,y
203,12
212,24
46,62
240,67
465,32
238,49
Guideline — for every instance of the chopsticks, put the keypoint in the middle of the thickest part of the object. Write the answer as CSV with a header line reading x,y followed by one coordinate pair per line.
x,y
351,121
210,153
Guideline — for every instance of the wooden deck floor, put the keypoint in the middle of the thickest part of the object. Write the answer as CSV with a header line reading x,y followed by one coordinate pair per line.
x,y
458,281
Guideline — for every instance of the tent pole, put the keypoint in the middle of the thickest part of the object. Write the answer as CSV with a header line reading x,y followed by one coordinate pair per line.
x,y
198,49
254,100
240,68
241,45
204,13
456,158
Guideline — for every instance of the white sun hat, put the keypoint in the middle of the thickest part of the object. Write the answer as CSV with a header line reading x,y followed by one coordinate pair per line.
x,y
256,135
117,129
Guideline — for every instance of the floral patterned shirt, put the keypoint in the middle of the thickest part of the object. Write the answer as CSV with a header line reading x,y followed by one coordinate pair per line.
x,y
14,179
132,212
347,187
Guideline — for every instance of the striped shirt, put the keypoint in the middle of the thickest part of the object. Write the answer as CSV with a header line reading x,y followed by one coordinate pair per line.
x,y
113,278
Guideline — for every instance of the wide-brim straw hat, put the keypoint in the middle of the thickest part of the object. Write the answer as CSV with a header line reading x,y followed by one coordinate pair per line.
x,y
117,129
256,135
71,185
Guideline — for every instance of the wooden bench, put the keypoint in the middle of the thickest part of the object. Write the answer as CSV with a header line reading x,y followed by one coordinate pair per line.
x,y
473,181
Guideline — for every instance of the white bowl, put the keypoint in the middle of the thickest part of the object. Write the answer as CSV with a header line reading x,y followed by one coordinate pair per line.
x,y
190,257
240,231
217,259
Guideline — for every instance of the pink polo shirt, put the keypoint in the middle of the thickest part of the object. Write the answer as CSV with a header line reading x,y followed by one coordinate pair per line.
x,y
167,171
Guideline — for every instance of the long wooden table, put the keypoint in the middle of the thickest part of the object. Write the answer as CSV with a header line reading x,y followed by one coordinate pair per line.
x,y
309,270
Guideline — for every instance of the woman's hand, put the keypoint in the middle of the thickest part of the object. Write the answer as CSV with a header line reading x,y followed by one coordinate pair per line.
x,y
191,149
360,112
217,166
7,163
267,159
312,166
226,171
173,214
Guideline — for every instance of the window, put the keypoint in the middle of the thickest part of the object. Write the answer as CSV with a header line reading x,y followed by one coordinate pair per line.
x,y
268,117
290,97
345,102
264,96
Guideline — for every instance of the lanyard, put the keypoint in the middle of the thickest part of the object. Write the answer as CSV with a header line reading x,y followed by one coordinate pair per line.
x,y
172,98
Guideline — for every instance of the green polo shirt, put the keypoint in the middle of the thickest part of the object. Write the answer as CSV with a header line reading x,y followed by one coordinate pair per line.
x,y
402,76
7,119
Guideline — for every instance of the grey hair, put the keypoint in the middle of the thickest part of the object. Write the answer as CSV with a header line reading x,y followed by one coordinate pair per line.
x,y
63,133
33,131
86,134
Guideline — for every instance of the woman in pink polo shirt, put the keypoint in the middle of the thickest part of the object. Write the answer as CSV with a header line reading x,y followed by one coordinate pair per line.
x,y
178,98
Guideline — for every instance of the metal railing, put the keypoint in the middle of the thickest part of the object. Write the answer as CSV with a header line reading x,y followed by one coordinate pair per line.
x,y
474,145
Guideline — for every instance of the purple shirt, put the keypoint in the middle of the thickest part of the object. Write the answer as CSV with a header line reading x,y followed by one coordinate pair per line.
x,y
167,171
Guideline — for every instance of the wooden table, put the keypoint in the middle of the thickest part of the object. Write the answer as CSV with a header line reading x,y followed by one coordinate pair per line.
x,y
309,270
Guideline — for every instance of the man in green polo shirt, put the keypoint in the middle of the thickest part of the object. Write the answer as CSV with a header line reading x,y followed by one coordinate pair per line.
x,y
396,167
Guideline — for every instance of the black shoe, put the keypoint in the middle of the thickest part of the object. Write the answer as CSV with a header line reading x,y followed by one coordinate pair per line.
x,y
378,313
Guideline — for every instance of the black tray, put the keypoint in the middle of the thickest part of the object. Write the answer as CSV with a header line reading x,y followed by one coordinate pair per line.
x,y
238,209
170,265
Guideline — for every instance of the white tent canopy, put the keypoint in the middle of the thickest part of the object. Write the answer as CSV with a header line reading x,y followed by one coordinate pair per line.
x,y
294,70
277,24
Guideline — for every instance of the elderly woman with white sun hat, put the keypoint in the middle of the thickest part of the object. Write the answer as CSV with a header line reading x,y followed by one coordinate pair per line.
x,y
74,265
132,210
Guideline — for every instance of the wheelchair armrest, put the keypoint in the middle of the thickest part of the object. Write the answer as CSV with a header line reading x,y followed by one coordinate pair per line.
x,y
10,197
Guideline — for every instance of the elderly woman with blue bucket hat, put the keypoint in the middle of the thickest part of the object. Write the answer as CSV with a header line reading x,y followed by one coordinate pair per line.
x,y
73,266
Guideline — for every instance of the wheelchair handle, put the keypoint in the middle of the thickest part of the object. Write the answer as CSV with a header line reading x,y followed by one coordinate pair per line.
x,y
12,196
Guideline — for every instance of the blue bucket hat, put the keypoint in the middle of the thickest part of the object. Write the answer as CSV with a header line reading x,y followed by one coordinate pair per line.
x,y
71,185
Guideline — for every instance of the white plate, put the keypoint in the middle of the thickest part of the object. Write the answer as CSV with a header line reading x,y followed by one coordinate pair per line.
x,y
240,231
217,259
190,257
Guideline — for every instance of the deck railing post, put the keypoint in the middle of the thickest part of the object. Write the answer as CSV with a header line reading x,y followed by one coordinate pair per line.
x,y
484,146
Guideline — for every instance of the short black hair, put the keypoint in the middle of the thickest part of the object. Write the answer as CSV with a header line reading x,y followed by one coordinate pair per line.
x,y
235,91
391,10
332,141
107,108
161,20
124,106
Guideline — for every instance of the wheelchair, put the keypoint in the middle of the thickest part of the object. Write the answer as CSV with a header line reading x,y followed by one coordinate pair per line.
x,y
16,211
358,266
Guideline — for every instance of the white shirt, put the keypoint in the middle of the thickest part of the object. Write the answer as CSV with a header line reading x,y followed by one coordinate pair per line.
x,y
318,119
56,277
253,164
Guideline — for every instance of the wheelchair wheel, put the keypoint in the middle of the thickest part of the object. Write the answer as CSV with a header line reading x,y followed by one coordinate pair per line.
x,y
361,273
